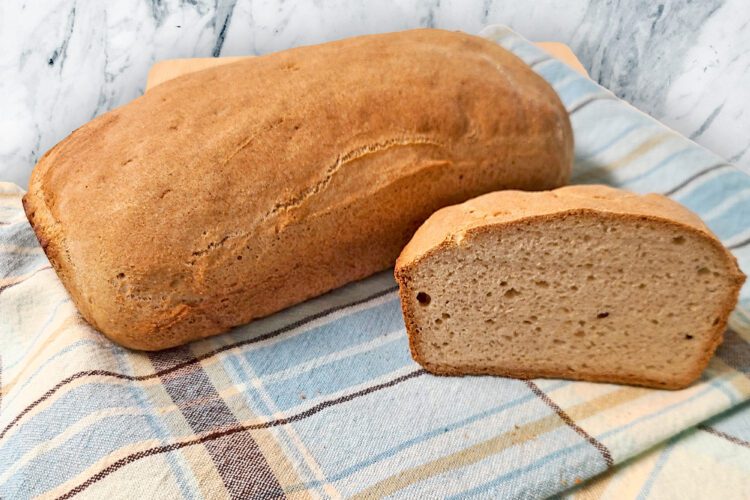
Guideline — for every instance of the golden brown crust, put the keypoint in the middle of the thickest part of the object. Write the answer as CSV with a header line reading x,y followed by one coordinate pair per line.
x,y
502,210
512,206
234,192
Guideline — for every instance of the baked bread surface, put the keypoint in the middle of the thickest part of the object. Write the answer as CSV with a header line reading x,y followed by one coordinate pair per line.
x,y
234,192
582,282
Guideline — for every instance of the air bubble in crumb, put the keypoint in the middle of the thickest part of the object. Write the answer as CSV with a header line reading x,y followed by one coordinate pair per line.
x,y
512,293
423,298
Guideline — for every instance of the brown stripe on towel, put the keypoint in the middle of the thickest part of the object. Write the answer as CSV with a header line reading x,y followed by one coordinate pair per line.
x,y
724,435
606,454
589,100
186,363
238,459
696,176
20,280
226,432
739,245
735,351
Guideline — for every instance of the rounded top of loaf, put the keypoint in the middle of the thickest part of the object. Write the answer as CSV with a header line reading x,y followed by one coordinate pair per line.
x,y
450,225
140,209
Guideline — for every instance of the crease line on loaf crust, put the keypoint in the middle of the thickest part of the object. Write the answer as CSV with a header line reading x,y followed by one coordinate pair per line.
x,y
299,198
350,156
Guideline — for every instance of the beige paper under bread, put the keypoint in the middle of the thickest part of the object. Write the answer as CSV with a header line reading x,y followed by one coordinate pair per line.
x,y
172,68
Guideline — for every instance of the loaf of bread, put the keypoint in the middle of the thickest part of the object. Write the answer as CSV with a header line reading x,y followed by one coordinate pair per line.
x,y
233,192
583,282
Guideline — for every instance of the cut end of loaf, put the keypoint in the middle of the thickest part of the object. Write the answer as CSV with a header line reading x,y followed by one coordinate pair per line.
x,y
589,295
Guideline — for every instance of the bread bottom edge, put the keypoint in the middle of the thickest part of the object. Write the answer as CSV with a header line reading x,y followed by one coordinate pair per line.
x,y
471,371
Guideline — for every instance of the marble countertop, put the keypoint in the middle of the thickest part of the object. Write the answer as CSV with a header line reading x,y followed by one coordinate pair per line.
x,y
687,63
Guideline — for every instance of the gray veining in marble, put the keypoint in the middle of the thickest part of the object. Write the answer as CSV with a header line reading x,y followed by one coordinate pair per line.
x,y
64,62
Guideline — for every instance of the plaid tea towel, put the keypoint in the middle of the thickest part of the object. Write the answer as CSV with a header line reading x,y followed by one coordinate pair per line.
x,y
324,400
711,460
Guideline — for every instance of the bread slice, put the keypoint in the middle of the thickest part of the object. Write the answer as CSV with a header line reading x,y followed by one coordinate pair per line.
x,y
583,282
